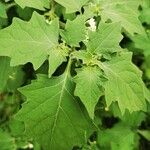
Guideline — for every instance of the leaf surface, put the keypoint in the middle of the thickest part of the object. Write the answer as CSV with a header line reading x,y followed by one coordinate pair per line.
x,y
38,4
72,5
120,137
123,11
3,10
31,41
124,84
105,39
6,141
88,87
52,115
74,31
4,72
143,43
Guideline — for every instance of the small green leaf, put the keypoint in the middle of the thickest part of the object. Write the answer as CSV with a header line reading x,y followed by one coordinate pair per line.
x,y
75,31
105,39
56,57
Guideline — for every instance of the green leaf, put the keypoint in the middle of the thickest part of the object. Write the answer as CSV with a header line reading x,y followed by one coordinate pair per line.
x,y
133,119
144,16
145,3
31,41
25,13
16,127
52,115
123,11
124,84
56,57
145,134
4,72
3,10
88,87
143,43
119,137
72,5
16,78
3,22
10,77
75,31
6,141
147,93
83,55
38,4
105,39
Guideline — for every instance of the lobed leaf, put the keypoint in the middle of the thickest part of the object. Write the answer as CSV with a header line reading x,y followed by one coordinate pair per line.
x,y
32,41
89,87
52,114
124,84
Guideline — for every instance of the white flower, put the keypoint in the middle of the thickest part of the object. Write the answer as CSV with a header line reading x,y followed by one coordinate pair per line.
x,y
7,1
92,24
30,146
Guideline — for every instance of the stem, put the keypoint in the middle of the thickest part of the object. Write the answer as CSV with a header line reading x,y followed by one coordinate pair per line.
x,y
53,5
67,71
51,13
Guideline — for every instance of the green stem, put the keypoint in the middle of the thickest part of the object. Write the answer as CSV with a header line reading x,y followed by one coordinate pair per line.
x,y
67,71
51,14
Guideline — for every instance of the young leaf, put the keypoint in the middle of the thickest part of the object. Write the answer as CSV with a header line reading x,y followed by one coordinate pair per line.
x,y
83,55
56,57
75,31
88,87
123,11
105,39
72,5
124,84
38,4
31,41
52,115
